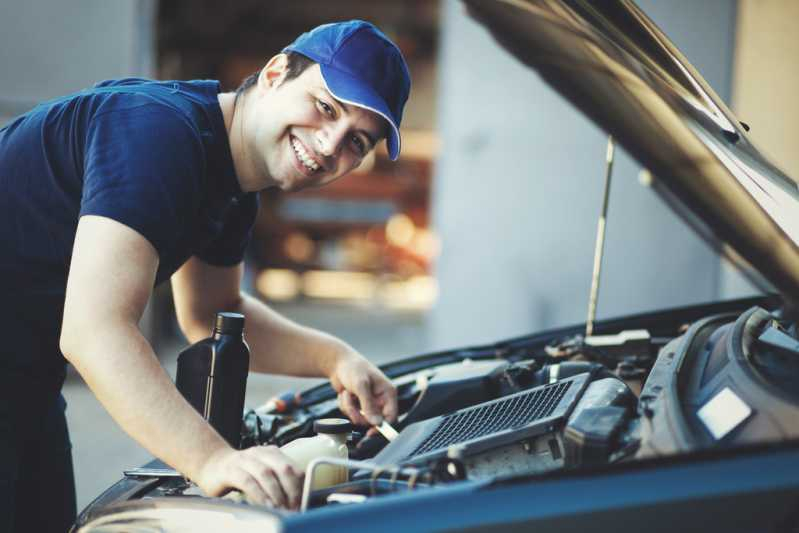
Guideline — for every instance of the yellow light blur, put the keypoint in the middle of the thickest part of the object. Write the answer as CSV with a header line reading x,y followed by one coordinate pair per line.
x,y
400,230
298,247
418,293
278,284
426,243
342,285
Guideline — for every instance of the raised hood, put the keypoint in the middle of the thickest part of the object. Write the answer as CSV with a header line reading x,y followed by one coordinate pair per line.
x,y
612,62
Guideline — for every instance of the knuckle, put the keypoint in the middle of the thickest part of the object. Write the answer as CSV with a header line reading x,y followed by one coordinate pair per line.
x,y
248,485
245,482
249,452
275,493
264,472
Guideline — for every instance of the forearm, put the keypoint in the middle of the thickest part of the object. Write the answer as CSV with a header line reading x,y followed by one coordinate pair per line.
x,y
280,346
277,344
120,367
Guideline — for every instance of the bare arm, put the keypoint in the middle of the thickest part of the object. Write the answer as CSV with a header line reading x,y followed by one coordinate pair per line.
x,y
279,345
111,276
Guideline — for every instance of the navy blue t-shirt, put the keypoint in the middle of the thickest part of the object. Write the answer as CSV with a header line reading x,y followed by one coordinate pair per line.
x,y
151,155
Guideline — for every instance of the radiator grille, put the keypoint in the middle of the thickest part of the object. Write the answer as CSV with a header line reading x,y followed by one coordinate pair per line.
x,y
509,413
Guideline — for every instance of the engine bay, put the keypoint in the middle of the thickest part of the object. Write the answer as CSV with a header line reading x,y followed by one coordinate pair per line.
x,y
553,402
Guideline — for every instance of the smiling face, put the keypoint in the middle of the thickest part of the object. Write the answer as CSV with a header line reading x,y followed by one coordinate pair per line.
x,y
293,134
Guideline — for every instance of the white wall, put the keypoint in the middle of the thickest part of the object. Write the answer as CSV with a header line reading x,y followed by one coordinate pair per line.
x,y
51,47
518,187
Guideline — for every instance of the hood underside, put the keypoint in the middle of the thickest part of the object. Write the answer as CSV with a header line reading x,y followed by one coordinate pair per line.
x,y
612,62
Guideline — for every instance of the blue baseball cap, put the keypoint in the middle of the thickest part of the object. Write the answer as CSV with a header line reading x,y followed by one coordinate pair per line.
x,y
362,67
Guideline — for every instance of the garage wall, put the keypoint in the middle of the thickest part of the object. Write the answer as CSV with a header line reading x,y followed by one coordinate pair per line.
x,y
518,187
50,48
765,84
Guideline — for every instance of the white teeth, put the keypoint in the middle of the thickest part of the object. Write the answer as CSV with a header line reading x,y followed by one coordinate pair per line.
x,y
299,149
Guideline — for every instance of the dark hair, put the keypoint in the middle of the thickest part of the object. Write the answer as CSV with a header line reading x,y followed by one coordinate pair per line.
x,y
297,64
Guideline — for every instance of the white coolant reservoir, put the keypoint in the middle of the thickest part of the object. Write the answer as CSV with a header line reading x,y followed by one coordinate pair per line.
x,y
330,441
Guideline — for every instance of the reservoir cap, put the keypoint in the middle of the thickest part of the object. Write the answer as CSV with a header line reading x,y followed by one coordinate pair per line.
x,y
332,425
229,323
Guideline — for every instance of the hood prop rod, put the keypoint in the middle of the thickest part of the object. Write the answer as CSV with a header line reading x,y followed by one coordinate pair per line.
x,y
600,243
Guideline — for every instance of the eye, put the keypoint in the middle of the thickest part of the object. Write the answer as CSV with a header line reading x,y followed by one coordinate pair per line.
x,y
360,146
324,107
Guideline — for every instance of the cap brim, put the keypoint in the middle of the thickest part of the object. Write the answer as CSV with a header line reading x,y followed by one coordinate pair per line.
x,y
350,90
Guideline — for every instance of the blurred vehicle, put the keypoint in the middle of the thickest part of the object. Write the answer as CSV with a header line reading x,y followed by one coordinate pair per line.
x,y
683,419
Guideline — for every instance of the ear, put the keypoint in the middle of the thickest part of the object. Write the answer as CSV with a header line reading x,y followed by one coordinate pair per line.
x,y
274,73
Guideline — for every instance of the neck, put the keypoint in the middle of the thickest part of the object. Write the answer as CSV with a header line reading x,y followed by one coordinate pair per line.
x,y
233,113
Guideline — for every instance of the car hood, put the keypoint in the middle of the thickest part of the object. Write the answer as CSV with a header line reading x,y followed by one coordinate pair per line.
x,y
615,65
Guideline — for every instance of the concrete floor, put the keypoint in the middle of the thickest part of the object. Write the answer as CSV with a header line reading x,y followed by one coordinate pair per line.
x,y
101,450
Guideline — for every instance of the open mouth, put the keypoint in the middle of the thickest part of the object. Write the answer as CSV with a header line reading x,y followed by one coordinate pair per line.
x,y
308,162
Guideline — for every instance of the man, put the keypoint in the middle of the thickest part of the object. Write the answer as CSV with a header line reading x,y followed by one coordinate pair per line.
x,y
113,190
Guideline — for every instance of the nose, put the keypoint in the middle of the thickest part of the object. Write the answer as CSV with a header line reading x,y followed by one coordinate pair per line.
x,y
330,138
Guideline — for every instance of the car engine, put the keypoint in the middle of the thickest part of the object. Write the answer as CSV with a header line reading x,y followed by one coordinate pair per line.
x,y
705,378
560,402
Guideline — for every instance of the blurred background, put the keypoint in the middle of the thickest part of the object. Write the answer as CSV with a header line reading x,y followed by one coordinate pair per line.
x,y
483,229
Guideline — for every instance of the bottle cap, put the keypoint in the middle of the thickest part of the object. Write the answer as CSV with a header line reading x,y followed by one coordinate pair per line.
x,y
229,323
332,425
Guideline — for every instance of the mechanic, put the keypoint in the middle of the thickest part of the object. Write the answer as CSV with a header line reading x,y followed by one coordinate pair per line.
x,y
108,192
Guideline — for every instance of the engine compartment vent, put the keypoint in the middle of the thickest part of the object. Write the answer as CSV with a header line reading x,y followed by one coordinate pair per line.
x,y
505,414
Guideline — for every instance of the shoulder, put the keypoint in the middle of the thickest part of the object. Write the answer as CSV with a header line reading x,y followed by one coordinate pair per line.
x,y
168,92
161,107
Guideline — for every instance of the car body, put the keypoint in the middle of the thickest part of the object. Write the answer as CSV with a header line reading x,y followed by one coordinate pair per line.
x,y
684,418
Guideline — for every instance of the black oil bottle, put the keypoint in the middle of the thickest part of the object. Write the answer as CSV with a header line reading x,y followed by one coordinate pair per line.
x,y
212,376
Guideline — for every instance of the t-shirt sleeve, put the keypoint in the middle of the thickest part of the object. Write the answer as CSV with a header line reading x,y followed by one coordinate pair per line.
x,y
229,247
142,166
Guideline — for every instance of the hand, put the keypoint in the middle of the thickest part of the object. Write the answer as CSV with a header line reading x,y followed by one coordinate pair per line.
x,y
362,387
263,473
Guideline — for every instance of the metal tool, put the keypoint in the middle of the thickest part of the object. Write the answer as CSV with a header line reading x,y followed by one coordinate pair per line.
x,y
385,429
152,472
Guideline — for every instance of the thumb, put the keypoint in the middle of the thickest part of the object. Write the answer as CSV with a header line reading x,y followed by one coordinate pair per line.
x,y
363,390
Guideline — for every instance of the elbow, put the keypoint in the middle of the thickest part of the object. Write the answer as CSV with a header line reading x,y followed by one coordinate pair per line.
x,y
197,324
82,339
195,328
78,337
195,331
69,342
77,334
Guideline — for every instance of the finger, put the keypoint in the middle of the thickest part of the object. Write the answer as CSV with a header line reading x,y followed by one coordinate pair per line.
x,y
290,480
344,404
261,469
363,390
387,392
353,410
246,483
360,417
348,407
273,488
